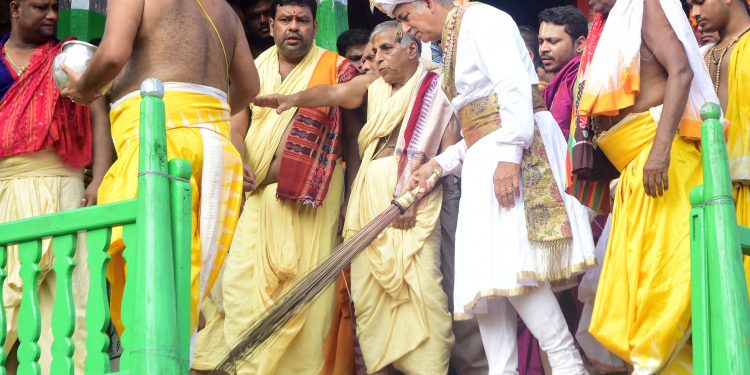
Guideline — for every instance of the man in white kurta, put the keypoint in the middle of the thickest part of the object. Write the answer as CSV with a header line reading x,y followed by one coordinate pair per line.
x,y
499,269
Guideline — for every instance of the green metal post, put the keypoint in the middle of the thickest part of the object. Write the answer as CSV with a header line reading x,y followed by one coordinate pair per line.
x,y
729,309
333,19
181,201
153,331
3,320
699,277
83,19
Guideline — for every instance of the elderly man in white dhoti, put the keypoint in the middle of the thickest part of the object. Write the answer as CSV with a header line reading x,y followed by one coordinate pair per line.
x,y
506,253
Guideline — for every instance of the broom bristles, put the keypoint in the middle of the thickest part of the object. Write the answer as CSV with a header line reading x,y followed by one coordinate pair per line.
x,y
263,327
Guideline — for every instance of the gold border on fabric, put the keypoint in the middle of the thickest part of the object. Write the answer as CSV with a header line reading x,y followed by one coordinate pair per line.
x,y
487,293
492,293
569,272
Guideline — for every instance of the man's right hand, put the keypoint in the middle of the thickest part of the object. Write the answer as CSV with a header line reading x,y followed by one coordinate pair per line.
x,y
278,101
421,178
506,182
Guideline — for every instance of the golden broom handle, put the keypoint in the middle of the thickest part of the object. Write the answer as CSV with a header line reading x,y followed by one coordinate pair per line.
x,y
407,199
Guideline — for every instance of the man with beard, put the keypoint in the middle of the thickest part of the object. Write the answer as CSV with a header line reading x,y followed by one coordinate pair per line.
x,y
290,219
729,66
562,35
257,17
643,89
46,143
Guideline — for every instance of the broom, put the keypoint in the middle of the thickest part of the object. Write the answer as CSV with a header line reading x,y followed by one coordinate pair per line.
x,y
267,324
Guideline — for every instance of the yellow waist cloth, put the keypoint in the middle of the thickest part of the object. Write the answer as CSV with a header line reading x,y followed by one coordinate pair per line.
x,y
45,163
197,131
277,242
642,307
396,282
187,106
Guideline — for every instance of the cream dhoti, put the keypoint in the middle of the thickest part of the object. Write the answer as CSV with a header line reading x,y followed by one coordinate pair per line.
x,y
32,185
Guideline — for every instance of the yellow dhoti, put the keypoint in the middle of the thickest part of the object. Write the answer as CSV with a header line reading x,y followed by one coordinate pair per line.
x,y
642,308
33,185
401,309
277,243
738,142
742,202
197,131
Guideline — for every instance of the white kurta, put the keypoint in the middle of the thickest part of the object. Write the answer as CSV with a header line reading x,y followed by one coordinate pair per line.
x,y
492,246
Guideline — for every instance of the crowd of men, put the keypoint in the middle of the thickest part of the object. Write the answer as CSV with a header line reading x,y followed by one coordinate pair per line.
x,y
552,165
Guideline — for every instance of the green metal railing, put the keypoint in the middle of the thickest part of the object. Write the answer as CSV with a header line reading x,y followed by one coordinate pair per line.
x,y
156,232
721,311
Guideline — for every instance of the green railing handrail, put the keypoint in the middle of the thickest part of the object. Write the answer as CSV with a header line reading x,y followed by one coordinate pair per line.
x,y
157,235
720,306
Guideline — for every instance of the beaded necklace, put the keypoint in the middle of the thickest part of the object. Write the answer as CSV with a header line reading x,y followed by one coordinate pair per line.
x,y
712,60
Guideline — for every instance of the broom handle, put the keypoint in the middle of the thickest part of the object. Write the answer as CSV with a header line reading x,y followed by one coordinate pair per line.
x,y
407,199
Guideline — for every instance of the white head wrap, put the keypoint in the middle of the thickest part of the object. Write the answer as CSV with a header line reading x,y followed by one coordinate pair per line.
x,y
387,6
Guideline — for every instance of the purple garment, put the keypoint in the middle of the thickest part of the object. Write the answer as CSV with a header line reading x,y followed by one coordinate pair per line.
x,y
558,95
529,356
6,78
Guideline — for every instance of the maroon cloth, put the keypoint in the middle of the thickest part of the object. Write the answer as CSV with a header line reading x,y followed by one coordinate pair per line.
x,y
529,357
314,141
558,95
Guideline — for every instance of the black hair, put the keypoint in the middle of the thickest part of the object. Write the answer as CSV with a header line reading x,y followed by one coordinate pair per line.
x,y
574,21
350,38
312,4
532,43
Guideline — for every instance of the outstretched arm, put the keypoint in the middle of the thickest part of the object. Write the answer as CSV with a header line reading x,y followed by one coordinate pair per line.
x,y
123,21
349,95
660,38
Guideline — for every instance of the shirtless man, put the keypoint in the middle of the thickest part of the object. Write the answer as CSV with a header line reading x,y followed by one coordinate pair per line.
x,y
197,52
289,221
652,143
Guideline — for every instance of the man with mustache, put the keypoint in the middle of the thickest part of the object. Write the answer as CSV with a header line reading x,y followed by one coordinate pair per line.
x,y
45,144
257,14
641,95
396,282
506,252
728,63
562,35
290,219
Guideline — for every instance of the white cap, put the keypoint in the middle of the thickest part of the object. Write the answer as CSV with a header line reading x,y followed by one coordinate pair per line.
x,y
387,6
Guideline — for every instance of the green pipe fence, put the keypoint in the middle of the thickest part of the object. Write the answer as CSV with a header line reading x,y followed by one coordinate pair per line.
x,y
157,233
721,311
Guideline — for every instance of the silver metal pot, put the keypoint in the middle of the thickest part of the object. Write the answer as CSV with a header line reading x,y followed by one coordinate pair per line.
x,y
75,55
